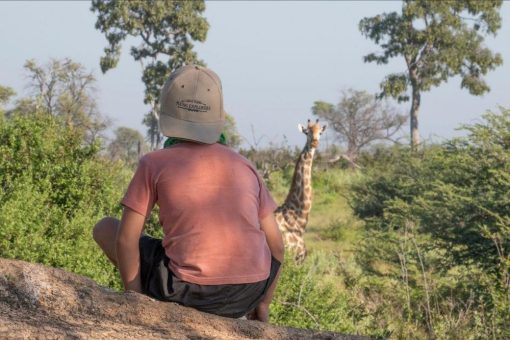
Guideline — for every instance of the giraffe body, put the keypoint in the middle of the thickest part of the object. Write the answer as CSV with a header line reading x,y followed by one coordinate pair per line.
x,y
292,215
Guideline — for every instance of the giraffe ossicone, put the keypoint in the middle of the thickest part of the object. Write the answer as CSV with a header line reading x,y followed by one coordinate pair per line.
x,y
292,215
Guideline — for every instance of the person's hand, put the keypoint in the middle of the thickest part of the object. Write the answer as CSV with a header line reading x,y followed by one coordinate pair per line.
x,y
260,313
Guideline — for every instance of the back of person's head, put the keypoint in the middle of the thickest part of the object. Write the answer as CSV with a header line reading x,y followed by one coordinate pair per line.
x,y
192,105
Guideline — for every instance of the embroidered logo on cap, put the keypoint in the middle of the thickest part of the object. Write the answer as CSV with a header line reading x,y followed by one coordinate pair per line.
x,y
193,105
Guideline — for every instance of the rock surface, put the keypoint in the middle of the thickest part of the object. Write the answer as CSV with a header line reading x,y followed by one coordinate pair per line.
x,y
41,302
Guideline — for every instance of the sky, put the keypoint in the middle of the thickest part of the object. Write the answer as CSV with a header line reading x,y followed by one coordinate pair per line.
x,y
275,60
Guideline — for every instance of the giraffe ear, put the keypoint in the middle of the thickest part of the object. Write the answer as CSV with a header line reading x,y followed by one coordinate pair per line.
x,y
324,128
301,128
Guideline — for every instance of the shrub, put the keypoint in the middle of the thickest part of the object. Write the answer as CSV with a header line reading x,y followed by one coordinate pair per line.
x,y
54,189
438,224
305,299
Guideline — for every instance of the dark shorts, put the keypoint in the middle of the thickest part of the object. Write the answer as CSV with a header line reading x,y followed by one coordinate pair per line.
x,y
229,300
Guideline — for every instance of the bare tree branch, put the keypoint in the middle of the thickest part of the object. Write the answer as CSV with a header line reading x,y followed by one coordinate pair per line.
x,y
359,120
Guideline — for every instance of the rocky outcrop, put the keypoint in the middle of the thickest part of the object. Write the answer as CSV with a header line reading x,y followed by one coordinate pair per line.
x,y
41,302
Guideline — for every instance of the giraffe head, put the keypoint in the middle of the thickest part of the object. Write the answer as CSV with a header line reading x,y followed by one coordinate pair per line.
x,y
313,132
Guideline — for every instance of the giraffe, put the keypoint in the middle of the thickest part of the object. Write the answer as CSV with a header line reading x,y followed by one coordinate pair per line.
x,y
292,215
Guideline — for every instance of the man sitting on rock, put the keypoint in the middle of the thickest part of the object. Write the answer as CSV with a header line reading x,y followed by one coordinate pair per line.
x,y
221,251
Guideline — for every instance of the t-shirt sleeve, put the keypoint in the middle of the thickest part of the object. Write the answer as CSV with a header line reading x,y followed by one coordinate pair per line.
x,y
141,193
266,201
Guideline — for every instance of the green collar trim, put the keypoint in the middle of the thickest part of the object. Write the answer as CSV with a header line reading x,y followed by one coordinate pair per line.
x,y
172,141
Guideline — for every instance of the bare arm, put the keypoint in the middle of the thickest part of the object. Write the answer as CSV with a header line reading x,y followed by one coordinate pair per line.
x,y
128,253
275,242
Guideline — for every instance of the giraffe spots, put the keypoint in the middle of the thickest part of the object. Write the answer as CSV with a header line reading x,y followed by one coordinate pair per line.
x,y
295,244
292,216
302,221
292,239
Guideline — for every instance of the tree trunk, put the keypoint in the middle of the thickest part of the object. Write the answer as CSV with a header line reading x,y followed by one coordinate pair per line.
x,y
155,114
415,107
351,155
154,131
151,133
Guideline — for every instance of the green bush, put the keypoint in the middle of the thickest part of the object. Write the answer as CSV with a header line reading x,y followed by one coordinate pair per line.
x,y
305,299
54,189
438,224
430,261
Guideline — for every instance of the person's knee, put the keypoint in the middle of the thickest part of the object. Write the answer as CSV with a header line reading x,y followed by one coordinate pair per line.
x,y
103,227
96,231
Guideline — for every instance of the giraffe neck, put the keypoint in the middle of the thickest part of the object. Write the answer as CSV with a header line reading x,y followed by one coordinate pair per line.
x,y
299,198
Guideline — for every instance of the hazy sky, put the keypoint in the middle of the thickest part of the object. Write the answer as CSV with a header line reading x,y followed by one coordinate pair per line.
x,y
274,58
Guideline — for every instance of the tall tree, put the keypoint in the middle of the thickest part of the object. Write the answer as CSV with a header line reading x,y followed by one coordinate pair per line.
x,y
358,120
230,129
438,40
166,30
128,145
5,95
65,88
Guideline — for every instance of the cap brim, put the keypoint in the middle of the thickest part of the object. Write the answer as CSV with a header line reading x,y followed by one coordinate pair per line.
x,y
208,133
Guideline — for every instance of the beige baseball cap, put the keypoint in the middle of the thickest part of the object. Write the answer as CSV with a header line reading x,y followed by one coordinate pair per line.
x,y
192,105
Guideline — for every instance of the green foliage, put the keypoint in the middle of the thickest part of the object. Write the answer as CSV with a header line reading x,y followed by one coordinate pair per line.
x,y
437,224
64,88
166,30
54,189
151,121
321,107
459,191
438,40
339,230
233,137
152,225
5,95
305,300
164,27
431,259
127,146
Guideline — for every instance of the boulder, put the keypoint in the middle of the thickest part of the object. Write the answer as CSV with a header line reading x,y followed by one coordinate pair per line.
x,y
42,302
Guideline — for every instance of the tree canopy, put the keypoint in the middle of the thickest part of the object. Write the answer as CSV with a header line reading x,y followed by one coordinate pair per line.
x,y
64,88
128,145
5,95
359,119
438,40
166,31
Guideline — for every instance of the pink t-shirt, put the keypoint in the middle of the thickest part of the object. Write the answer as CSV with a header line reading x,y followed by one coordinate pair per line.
x,y
211,200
